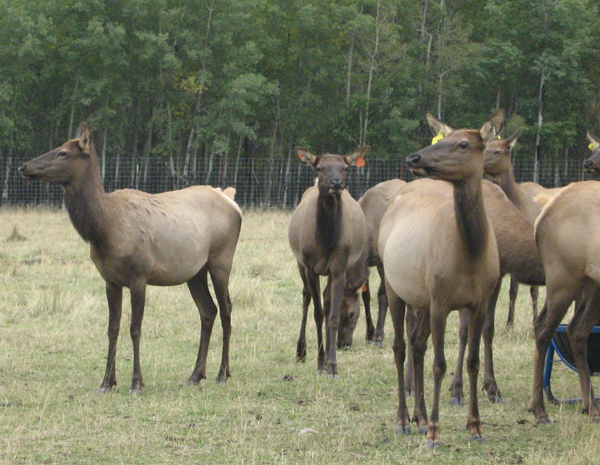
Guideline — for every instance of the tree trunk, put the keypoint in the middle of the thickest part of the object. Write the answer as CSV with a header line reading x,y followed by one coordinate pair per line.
x,y
536,167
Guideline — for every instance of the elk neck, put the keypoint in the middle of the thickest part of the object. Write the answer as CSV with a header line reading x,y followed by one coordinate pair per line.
x,y
510,187
471,217
329,221
85,200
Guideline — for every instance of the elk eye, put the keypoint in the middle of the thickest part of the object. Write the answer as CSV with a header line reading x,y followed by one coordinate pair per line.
x,y
318,168
497,152
463,145
62,153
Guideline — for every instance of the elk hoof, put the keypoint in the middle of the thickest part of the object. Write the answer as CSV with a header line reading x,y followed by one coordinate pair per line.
x,y
456,401
432,444
423,430
408,393
103,390
496,399
135,392
544,421
480,438
404,430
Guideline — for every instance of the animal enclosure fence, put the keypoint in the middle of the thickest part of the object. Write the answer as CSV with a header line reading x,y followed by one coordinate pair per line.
x,y
260,182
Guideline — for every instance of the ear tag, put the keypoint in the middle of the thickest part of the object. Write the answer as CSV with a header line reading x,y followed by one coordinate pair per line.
x,y
591,146
360,161
364,288
437,138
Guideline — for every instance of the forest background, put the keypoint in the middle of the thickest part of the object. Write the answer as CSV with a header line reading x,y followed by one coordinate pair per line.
x,y
200,83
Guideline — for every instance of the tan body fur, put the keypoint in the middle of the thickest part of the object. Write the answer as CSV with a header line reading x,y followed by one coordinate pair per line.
x,y
568,240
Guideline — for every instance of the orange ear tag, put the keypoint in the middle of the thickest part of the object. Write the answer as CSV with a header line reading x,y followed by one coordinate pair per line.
x,y
360,162
364,288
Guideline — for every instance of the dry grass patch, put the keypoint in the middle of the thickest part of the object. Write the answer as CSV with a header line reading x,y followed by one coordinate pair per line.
x,y
273,410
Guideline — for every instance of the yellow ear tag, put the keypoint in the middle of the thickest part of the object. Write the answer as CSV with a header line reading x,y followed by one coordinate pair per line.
x,y
592,146
437,138
360,161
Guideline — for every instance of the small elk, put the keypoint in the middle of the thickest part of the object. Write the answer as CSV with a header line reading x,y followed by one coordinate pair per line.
x,y
592,164
373,202
138,239
439,254
568,238
327,234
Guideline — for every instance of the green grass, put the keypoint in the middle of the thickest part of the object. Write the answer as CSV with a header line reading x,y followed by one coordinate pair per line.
x,y
53,345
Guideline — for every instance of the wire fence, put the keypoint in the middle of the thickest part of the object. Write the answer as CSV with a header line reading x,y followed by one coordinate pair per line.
x,y
259,182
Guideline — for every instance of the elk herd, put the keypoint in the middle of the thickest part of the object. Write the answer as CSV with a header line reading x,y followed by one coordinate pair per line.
x,y
440,243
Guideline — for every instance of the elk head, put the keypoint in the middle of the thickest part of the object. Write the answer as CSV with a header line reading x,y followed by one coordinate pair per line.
x,y
64,164
592,164
459,154
497,155
331,170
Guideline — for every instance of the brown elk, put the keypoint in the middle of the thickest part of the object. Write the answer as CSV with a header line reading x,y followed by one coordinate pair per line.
x,y
327,234
138,239
373,202
498,166
518,255
572,274
592,164
439,254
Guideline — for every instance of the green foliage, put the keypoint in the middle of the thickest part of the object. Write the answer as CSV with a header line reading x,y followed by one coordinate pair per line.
x,y
254,77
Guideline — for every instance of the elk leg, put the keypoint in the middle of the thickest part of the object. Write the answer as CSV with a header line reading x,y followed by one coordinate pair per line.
x,y
437,317
534,292
477,319
301,344
397,311
382,310
456,386
338,284
555,308
220,279
418,343
409,378
114,295
489,378
312,281
513,292
198,287
366,298
579,329
138,301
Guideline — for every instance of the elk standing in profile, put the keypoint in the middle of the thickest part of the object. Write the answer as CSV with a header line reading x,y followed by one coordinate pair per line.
x,y
498,165
138,239
439,254
327,234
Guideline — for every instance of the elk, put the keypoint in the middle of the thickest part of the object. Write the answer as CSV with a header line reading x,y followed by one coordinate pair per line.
x,y
138,239
572,274
327,235
592,164
439,254
373,203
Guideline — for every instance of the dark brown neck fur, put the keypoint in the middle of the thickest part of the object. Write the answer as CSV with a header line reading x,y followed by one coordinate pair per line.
x,y
84,201
470,215
329,221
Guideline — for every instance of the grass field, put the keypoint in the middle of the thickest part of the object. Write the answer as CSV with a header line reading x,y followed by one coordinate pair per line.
x,y
53,345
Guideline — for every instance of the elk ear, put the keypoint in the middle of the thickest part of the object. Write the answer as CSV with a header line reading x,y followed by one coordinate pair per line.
x,y
357,158
512,140
437,126
84,134
493,126
594,143
305,157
